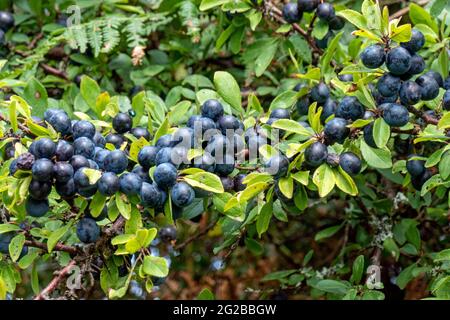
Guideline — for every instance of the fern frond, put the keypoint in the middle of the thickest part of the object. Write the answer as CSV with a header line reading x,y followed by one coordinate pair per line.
x,y
135,29
111,35
95,36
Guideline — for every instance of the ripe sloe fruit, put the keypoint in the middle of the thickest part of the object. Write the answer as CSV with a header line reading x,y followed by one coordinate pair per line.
x,y
325,11
373,56
122,122
395,115
336,130
130,183
83,128
78,162
39,190
398,60
165,175
416,42
43,148
115,139
238,184
147,156
108,184
350,163
42,170
63,171
350,109
430,88
212,109
320,93
64,151
410,93
316,154
139,132
182,194
87,230
291,13
388,85
277,166
116,161
36,208
85,147
416,168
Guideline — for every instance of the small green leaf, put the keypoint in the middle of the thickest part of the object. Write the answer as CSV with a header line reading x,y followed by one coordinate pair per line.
x,y
381,132
324,179
205,294
228,88
56,236
15,246
328,232
206,181
155,266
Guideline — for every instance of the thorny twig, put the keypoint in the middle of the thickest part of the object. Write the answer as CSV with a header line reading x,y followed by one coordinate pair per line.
x,y
55,281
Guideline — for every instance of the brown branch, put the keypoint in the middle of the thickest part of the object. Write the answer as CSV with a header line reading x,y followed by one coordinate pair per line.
x,y
427,118
196,236
33,42
405,10
55,282
362,206
53,71
58,246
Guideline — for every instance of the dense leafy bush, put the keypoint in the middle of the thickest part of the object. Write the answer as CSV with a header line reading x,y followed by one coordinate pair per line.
x,y
238,149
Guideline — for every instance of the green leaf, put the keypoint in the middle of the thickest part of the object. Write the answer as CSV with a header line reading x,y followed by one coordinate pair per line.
x,y
358,270
228,89
376,158
328,232
92,174
278,275
381,132
405,276
284,100
292,126
36,95
265,57
333,286
355,18
371,9
205,294
55,236
286,185
97,204
391,247
89,90
251,191
401,33
209,4
324,179
443,255
15,247
419,15
123,206
155,266
3,289
345,182
8,227
206,181
262,223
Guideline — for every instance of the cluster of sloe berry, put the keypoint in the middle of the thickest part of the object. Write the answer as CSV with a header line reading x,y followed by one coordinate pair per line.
x,y
395,91
293,12
6,23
